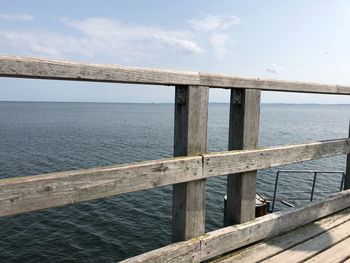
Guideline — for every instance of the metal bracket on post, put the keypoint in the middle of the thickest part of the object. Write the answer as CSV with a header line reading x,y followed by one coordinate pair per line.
x,y
181,96
236,97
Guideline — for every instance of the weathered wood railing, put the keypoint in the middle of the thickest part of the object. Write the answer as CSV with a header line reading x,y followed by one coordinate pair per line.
x,y
192,164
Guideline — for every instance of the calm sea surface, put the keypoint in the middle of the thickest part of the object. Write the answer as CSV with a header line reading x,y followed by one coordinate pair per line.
x,y
48,137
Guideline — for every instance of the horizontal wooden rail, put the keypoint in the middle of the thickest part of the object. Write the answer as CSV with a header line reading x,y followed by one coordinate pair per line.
x,y
20,67
226,239
249,160
30,193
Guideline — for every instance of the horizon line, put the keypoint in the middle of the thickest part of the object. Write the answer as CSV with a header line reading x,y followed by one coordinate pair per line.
x,y
213,102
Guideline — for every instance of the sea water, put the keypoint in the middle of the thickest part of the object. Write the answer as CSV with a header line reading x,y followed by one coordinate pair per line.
x,y
38,138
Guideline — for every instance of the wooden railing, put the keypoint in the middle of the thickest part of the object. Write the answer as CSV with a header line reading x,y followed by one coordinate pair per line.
x,y
19,67
191,165
226,239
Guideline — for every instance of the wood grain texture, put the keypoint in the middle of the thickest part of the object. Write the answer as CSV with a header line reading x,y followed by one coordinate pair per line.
x,y
243,134
347,172
190,138
270,247
20,67
186,251
313,246
335,254
223,81
30,193
250,160
64,70
227,239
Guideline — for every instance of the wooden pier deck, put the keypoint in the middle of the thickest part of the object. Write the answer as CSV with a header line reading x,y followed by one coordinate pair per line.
x,y
295,235
324,240
318,231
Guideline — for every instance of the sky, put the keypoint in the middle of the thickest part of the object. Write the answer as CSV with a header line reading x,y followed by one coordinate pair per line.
x,y
288,40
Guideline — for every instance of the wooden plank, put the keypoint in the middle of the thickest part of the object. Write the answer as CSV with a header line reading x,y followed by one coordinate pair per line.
x,y
227,239
190,138
243,134
186,251
347,173
313,246
250,160
30,193
223,81
273,246
335,254
23,194
20,67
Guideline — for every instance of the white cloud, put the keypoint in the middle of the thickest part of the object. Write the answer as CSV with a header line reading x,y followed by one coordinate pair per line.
x,y
95,37
216,29
43,43
16,17
112,33
219,42
182,44
208,23
109,39
274,69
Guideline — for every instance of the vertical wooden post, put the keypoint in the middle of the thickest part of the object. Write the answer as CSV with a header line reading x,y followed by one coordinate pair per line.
x,y
190,138
347,173
243,134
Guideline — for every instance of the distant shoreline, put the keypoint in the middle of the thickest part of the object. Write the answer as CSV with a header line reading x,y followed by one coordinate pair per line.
x,y
160,103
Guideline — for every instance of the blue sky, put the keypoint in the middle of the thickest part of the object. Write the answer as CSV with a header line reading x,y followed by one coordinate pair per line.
x,y
290,39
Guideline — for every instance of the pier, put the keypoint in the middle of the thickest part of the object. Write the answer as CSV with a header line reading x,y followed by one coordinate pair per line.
x,y
313,232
